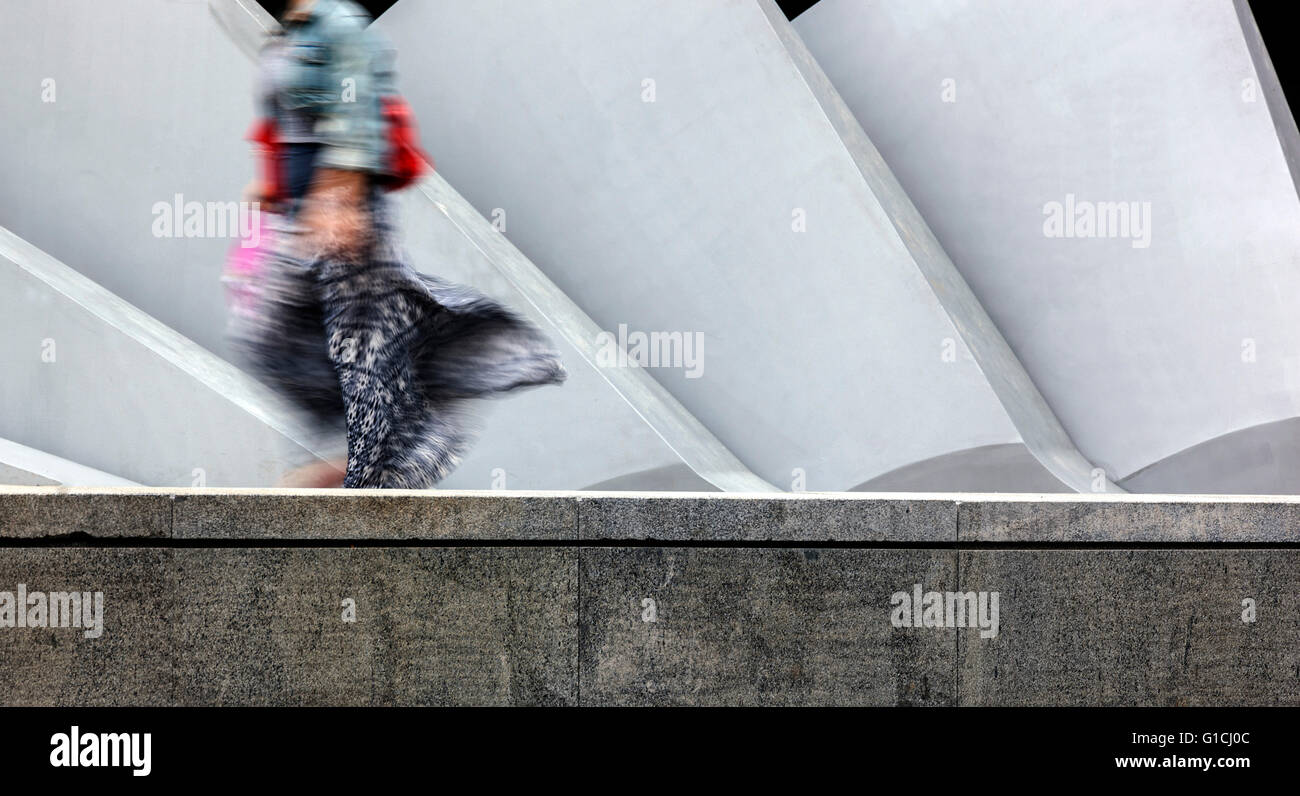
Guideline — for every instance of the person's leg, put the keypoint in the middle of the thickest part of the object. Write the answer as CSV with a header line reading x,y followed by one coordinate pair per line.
x,y
362,318
317,475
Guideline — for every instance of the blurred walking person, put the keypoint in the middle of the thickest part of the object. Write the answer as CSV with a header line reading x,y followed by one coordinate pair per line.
x,y
335,318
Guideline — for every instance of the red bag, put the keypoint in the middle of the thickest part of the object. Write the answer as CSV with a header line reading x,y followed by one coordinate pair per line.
x,y
406,160
263,133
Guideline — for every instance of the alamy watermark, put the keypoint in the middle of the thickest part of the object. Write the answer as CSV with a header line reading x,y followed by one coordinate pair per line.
x,y
1077,218
683,350
181,219
946,609
112,749
56,609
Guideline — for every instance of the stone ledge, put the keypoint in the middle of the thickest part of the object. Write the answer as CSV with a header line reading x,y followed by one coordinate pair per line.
x,y
51,512
1130,518
807,517
390,516
570,517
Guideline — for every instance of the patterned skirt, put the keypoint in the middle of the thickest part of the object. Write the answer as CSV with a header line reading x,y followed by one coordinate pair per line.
x,y
388,353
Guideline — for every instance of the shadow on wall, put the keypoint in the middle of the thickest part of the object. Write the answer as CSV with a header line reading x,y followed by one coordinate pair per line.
x,y
988,468
1263,459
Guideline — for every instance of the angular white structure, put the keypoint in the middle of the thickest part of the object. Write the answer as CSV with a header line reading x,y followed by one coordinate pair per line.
x,y
606,427
686,168
1169,353
111,108
84,171
91,378
24,466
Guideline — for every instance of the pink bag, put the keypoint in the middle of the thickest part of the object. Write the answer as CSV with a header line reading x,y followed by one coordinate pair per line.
x,y
245,265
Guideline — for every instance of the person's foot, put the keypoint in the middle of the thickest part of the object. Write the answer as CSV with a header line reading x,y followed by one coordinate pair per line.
x,y
317,475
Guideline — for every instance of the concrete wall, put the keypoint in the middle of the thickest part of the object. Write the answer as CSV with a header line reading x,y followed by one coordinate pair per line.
x,y
1143,353
483,598
824,348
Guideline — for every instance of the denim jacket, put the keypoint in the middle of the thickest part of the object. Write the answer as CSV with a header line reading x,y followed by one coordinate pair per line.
x,y
336,70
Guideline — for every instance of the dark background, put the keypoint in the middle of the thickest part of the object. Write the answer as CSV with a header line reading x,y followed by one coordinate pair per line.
x,y
1276,25
1272,16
